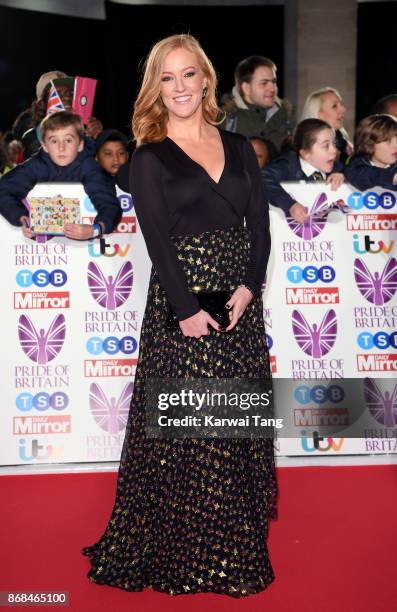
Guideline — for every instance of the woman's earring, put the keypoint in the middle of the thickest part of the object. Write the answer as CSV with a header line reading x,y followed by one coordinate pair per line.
x,y
205,90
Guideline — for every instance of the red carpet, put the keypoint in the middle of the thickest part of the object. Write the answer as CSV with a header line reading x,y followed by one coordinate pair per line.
x,y
333,547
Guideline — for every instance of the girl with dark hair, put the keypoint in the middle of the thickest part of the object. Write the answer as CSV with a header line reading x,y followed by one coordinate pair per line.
x,y
314,158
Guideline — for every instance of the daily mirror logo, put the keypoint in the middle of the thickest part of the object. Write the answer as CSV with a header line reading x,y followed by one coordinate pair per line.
x,y
26,300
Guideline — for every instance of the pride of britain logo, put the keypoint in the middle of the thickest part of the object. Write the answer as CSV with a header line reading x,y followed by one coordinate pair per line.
x,y
40,345
110,292
379,287
315,340
382,406
110,414
316,222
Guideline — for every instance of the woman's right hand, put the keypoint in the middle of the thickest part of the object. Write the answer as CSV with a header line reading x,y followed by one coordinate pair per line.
x,y
197,325
299,213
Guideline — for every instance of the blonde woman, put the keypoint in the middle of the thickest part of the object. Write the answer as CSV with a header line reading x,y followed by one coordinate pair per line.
x,y
327,104
191,515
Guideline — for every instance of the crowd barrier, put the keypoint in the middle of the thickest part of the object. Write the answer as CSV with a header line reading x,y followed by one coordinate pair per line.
x,y
71,314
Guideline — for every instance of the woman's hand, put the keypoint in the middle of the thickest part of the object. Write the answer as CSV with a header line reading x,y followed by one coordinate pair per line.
x,y
237,304
335,180
299,212
197,325
26,231
78,231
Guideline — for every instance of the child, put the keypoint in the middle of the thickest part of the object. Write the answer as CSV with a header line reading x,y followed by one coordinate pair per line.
x,y
375,160
261,151
111,150
65,156
314,157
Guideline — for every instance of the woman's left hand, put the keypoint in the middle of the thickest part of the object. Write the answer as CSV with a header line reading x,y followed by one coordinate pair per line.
x,y
78,231
238,303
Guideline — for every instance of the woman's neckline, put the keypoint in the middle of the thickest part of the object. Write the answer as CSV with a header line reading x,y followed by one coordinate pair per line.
x,y
220,131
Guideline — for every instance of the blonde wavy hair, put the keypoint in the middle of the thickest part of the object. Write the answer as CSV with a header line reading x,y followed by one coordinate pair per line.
x,y
313,102
312,106
150,116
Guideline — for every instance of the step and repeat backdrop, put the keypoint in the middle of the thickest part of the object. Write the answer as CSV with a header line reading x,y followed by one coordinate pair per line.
x,y
71,315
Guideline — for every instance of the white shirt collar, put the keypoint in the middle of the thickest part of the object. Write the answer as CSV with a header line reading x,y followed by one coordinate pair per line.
x,y
376,166
308,169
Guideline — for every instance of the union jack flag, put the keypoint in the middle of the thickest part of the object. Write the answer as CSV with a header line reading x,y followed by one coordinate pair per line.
x,y
54,103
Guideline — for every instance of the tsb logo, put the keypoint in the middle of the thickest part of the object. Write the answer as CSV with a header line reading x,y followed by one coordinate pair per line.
x,y
42,401
371,200
112,345
380,340
41,278
126,202
319,394
310,274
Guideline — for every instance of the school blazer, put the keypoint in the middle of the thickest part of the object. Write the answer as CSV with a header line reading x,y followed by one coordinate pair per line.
x,y
286,168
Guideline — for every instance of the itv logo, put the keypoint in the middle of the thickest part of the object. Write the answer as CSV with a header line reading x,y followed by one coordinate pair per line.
x,y
319,443
364,244
31,450
102,248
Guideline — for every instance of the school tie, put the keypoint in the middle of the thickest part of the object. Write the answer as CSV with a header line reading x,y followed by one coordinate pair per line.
x,y
317,176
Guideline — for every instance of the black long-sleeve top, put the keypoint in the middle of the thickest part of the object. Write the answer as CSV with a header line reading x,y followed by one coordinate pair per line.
x,y
174,196
363,175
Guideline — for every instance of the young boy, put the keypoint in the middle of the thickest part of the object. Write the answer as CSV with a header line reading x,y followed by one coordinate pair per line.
x,y
111,150
66,156
374,163
261,150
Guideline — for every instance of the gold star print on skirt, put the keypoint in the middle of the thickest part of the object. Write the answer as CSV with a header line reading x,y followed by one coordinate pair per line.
x,y
191,515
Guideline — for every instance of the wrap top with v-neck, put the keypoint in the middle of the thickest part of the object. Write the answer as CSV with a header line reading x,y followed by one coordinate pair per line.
x,y
175,196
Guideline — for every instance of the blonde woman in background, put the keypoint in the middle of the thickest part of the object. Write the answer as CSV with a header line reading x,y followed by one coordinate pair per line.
x,y
327,104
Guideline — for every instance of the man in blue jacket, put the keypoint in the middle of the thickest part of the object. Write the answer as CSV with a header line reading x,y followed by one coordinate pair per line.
x,y
65,156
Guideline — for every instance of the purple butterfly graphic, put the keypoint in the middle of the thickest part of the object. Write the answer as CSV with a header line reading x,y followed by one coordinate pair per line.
x,y
111,415
377,288
315,341
39,346
382,406
110,293
315,223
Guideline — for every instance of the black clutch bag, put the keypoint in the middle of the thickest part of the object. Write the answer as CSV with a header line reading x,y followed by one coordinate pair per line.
x,y
212,302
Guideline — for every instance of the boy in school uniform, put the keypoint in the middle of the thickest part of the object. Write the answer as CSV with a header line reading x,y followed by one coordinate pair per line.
x,y
111,150
375,161
65,156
